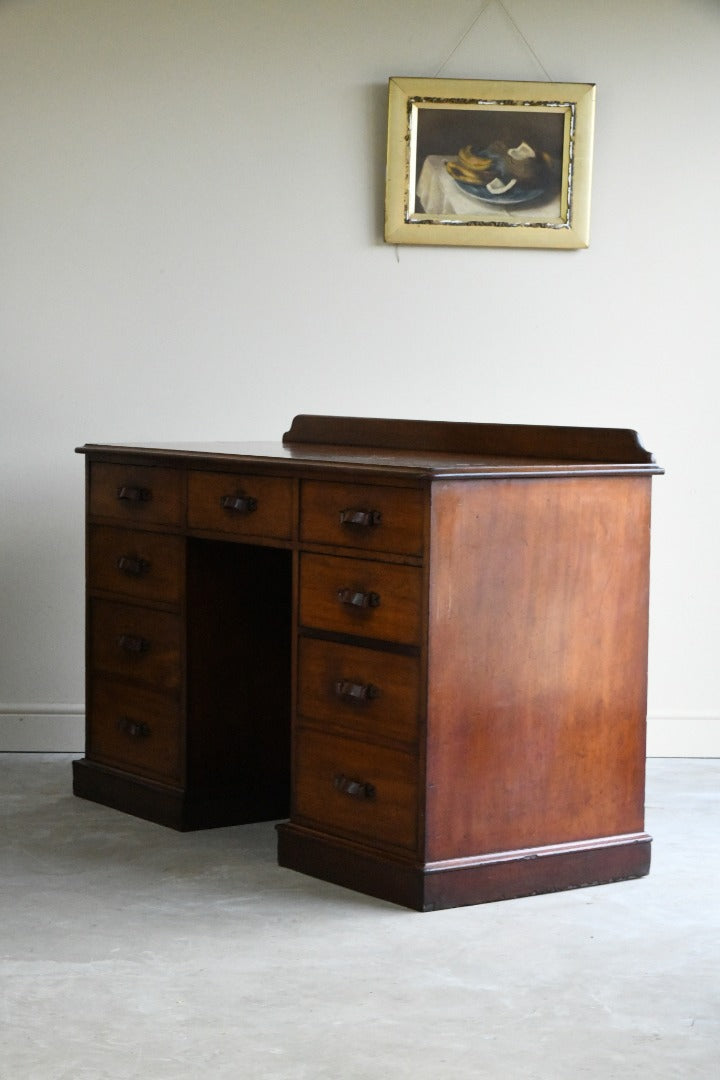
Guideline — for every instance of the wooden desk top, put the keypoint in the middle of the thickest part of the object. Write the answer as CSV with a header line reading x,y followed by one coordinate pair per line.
x,y
413,448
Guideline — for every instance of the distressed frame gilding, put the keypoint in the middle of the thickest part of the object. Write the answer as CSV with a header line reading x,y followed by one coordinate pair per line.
x,y
521,226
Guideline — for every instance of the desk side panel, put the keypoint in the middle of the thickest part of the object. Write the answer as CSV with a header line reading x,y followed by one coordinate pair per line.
x,y
537,663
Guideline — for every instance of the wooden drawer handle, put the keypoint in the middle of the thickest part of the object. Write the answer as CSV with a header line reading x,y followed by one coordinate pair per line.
x,y
131,644
353,598
364,518
238,504
350,691
135,567
135,729
355,789
134,494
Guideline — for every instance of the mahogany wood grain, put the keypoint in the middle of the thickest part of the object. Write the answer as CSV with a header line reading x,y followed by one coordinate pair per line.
x,y
397,616
138,643
403,452
619,445
399,513
537,663
271,516
387,816
136,494
392,712
364,868
135,729
162,556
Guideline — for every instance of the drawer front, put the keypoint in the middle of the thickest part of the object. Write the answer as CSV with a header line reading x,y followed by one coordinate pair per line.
x,y
362,516
240,505
134,729
357,596
356,788
144,565
135,643
136,493
372,692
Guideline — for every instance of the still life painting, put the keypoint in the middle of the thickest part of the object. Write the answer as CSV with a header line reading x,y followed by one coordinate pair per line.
x,y
484,163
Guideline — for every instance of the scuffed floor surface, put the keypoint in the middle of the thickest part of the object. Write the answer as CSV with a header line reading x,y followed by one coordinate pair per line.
x,y
131,951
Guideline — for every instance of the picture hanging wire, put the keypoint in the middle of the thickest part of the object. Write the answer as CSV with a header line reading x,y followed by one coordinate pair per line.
x,y
514,26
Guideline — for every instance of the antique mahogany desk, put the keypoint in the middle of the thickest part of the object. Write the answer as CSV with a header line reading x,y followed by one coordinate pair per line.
x,y
424,643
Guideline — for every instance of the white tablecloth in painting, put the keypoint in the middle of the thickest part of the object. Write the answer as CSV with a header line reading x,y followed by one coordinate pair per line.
x,y
439,194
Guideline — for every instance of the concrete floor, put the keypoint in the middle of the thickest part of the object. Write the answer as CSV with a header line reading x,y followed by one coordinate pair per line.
x,y
131,951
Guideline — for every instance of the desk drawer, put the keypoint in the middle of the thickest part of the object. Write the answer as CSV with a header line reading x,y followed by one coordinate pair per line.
x,y
134,729
357,596
135,643
240,505
144,565
136,493
362,516
374,693
356,788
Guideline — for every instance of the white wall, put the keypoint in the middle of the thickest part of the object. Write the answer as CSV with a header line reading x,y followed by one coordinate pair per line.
x,y
191,203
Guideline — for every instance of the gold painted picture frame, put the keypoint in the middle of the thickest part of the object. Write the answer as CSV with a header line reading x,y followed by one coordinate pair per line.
x,y
489,164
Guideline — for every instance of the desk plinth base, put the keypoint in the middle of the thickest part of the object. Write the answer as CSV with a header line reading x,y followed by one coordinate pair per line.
x,y
461,882
173,807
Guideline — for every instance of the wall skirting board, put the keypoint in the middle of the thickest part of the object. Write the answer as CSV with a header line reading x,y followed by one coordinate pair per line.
x,y
60,729
684,735
50,729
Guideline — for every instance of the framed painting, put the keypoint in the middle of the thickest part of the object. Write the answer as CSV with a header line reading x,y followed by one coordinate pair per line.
x,y
483,163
